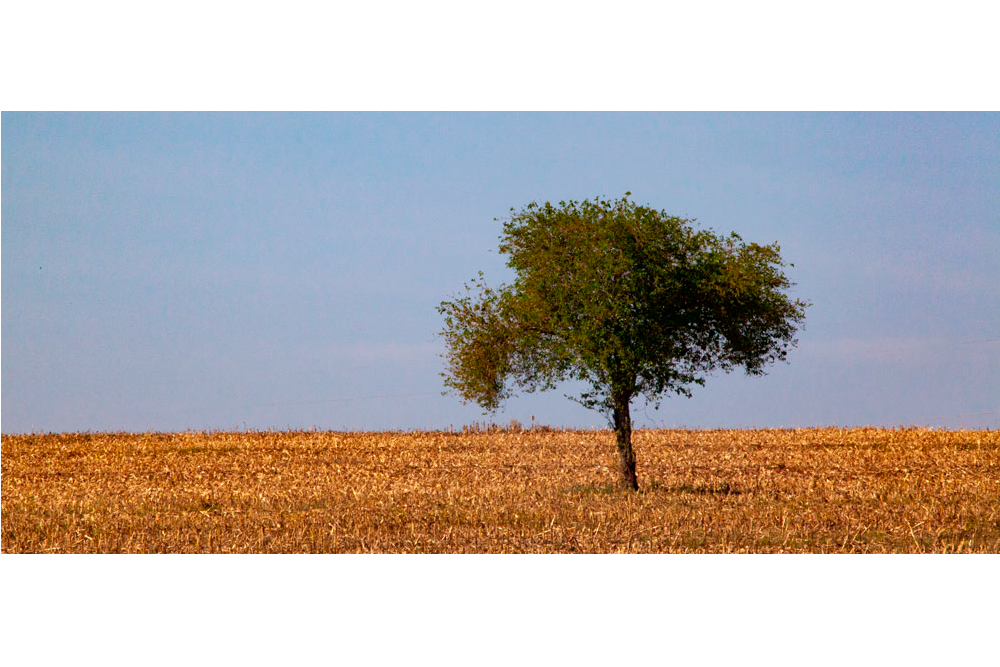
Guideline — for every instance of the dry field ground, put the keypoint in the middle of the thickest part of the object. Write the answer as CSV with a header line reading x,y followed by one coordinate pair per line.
x,y
803,490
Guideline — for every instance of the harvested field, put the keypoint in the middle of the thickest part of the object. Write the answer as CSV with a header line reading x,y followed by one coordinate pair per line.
x,y
804,490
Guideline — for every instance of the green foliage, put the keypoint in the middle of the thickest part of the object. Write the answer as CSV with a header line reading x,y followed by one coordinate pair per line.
x,y
627,298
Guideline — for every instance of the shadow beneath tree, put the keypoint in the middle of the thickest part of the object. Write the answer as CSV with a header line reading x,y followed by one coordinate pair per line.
x,y
724,489
593,489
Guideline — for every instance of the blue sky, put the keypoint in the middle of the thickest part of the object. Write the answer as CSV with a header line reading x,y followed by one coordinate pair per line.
x,y
195,271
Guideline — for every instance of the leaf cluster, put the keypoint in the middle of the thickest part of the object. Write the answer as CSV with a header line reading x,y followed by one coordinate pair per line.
x,y
627,298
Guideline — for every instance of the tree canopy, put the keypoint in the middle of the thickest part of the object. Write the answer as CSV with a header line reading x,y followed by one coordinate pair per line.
x,y
628,299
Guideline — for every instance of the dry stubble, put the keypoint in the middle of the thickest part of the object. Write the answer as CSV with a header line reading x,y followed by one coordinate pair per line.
x,y
805,490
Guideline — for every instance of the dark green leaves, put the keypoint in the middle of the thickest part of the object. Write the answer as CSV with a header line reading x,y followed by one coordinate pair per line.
x,y
628,298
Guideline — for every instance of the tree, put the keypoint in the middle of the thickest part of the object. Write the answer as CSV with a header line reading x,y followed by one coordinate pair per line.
x,y
628,299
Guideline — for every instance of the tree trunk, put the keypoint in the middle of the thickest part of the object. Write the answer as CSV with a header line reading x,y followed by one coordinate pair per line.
x,y
623,436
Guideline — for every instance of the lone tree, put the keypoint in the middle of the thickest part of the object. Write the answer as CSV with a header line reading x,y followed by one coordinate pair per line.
x,y
626,298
